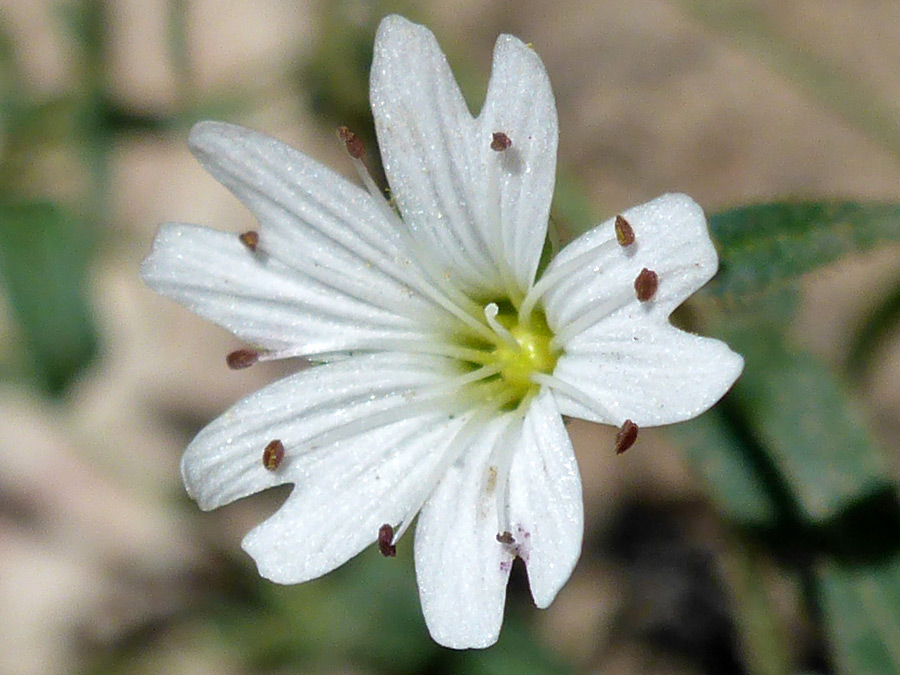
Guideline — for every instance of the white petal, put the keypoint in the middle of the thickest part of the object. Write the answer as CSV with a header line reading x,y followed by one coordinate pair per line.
x,y
520,104
645,371
311,219
224,461
546,508
425,134
451,188
671,239
267,304
461,568
346,493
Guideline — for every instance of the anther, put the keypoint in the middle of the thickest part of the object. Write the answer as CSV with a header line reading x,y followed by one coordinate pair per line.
x,y
626,437
273,455
646,284
624,233
242,358
353,143
385,535
506,538
500,142
250,239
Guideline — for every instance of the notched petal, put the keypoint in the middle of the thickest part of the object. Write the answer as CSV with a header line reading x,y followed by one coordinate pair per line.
x,y
546,501
671,239
650,373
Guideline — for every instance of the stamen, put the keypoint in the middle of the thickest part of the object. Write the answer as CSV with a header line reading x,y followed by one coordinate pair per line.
x,y
273,455
502,455
385,539
430,347
646,284
490,314
562,272
457,383
624,233
435,287
453,302
495,243
500,142
355,147
448,297
250,239
363,172
451,453
506,538
445,294
242,358
574,393
442,397
626,437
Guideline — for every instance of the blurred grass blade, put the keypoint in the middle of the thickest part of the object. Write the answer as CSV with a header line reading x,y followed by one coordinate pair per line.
x,y
873,332
44,257
761,631
861,611
722,455
763,247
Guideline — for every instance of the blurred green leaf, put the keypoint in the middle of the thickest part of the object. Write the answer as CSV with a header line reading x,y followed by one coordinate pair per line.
x,y
803,415
44,256
798,413
722,454
762,247
861,610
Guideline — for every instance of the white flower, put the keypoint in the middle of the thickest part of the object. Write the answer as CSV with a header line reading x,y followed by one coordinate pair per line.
x,y
444,366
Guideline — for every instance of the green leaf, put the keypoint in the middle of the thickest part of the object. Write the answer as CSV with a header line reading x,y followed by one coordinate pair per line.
x,y
861,610
812,446
43,265
723,455
763,247
802,414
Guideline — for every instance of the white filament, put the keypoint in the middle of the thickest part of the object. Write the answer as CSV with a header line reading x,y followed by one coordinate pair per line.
x,y
547,281
490,314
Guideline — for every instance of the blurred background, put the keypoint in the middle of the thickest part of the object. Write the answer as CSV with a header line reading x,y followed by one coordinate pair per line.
x,y
107,566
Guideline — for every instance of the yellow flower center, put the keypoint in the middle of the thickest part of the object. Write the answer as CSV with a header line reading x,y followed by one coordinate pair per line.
x,y
532,356
524,351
